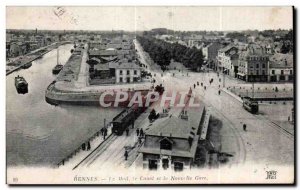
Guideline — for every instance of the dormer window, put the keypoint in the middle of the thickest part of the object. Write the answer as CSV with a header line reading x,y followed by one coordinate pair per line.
x,y
166,144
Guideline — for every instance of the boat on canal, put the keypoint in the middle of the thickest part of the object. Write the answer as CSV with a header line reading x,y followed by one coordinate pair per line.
x,y
21,85
58,67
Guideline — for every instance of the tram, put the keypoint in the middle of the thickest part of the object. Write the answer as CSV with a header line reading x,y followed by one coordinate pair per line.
x,y
250,105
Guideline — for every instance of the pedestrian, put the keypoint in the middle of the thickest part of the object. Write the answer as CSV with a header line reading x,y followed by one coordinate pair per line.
x,y
219,92
126,154
141,133
102,130
194,86
289,118
89,146
204,87
201,83
140,140
104,133
127,131
245,127
83,146
197,83
137,132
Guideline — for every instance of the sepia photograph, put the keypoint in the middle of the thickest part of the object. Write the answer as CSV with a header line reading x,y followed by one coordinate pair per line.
x,y
140,95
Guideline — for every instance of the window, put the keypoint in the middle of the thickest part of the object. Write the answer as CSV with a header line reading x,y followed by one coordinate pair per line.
x,y
273,72
257,72
135,72
263,72
257,65
152,164
121,72
263,65
281,72
121,79
128,72
178,166
291,72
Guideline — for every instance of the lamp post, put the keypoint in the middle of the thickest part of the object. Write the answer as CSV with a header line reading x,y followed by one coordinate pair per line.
x,y
224,77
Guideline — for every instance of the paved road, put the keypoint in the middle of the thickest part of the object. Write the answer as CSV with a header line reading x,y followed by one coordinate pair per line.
x,y
263,141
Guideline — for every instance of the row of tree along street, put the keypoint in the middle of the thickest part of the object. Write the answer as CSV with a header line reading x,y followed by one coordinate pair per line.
x,y
162,52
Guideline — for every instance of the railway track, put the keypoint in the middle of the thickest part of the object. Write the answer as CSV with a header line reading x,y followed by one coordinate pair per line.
x,y
97,151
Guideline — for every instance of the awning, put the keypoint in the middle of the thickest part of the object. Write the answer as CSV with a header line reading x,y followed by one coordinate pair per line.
x,y
241,74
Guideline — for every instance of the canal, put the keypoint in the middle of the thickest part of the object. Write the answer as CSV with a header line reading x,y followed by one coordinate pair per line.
x,y
39,134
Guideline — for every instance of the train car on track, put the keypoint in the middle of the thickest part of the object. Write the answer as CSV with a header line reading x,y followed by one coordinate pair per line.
x,y
126,118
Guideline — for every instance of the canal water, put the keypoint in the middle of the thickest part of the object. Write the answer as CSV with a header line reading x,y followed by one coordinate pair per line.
x,y
40,134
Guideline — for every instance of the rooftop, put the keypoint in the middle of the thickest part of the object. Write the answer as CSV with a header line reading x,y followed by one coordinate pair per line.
x,y
280,60
176,127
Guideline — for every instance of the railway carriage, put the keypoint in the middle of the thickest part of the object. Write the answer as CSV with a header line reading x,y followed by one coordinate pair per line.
x,y
126,118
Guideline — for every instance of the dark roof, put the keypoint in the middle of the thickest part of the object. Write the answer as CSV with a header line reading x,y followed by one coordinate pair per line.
x,y
103,52
280,60
227,48
95,59
124,64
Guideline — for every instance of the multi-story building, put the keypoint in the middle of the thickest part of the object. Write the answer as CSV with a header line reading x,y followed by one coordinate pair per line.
x,y
127,71
210,53
253,64
172,142
281,68
228,60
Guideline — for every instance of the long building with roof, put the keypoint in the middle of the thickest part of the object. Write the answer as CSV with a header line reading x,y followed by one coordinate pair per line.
x,y
172,142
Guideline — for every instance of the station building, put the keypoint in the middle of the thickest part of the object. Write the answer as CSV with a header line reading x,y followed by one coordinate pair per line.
x,y
171,143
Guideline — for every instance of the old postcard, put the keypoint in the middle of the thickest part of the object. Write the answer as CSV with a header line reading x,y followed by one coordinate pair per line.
x,y
150,95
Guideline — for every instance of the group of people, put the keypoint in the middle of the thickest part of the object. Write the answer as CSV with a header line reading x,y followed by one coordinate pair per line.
x,y
86,146
140,132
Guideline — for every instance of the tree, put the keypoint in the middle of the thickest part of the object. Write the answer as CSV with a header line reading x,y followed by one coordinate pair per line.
x,y
152,115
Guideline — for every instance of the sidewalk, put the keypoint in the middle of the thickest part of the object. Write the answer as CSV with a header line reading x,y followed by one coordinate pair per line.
x,y
82,79
232,94
79,156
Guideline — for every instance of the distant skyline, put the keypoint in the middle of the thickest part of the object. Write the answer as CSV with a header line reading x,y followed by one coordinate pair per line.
x,y
190,18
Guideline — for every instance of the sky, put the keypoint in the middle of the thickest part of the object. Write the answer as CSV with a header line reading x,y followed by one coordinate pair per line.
x,y
189,18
